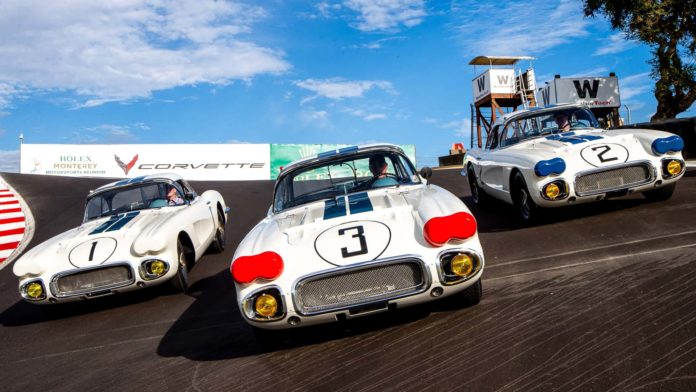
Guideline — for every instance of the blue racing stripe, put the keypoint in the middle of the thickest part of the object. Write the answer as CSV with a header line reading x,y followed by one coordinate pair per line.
x,y
123,221
573,140
106,224
591,137
335,208
359,202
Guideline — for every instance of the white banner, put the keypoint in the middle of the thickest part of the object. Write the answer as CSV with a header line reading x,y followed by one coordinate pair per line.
x,y
592,92
213,162
493,81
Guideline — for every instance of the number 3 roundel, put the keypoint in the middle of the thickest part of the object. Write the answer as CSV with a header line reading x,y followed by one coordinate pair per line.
x,y
353,242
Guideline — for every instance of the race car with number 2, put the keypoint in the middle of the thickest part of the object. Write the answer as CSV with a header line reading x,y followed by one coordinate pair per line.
x,y
558,155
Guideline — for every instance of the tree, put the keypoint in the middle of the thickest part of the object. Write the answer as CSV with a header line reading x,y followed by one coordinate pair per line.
x,y
669,28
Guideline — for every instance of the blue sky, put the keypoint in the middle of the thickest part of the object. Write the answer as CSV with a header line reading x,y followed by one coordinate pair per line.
x,y
343,71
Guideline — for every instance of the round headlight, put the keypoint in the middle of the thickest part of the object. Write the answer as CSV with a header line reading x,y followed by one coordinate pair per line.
x,y
35,290
462,265
157,267
266,305
552,191
674,168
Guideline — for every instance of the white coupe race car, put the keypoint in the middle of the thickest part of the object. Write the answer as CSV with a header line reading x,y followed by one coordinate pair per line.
x,y
531,161
136,233
352,232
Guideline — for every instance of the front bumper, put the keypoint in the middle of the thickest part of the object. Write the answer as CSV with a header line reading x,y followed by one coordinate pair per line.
x,y
580,191
413,281
88,283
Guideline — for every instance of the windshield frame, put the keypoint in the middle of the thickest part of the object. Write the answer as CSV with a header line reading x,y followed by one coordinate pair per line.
x,y
570,112
397,157
126,187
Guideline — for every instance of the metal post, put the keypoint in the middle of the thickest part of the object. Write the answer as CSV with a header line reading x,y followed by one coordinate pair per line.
x,y
629,113
21,141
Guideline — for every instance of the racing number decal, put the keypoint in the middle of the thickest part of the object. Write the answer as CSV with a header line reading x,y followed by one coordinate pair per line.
x,y
91,251
601,156
360,235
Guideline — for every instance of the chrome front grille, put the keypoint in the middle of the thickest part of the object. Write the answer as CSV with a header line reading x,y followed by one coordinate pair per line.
x,y
352,287
617,178
92,281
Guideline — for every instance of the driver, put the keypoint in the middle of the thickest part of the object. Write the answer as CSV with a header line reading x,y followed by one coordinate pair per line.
x,y
562,121
173,198
378,167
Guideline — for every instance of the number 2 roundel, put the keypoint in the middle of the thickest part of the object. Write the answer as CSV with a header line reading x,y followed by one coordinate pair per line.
x,y
92,252
604,154
353,242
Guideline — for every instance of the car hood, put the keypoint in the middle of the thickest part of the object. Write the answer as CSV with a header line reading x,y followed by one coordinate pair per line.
x,y
92,243
376,224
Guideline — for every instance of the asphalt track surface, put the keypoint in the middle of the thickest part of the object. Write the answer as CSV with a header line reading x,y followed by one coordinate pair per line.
x,y
598,297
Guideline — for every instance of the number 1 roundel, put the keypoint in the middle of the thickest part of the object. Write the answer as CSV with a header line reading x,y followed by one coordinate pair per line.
x,y
353,242
92,252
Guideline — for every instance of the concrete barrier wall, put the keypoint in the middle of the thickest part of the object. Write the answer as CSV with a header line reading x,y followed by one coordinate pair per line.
x,y
684,127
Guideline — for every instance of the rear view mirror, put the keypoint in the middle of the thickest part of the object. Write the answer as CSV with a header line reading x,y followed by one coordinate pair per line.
x,y
426,173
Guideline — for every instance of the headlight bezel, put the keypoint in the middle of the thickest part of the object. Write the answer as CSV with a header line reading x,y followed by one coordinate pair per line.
x,y
447,277
249,304
25,287
665,164
145,273
563,188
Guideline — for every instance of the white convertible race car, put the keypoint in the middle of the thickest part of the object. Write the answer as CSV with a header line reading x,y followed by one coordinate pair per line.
x,y
136,233
531,161
353,232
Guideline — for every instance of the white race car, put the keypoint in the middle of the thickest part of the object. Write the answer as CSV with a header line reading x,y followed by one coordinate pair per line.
x,y
531,161
352,232
136,233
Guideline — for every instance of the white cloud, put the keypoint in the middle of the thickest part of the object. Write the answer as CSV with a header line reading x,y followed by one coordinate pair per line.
x,y
377,44
520,27
386,15
107,51
616,43
635,85
9,161
339,89
375,116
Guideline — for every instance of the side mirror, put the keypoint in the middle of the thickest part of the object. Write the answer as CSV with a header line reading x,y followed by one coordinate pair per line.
x,y
189,196
426,173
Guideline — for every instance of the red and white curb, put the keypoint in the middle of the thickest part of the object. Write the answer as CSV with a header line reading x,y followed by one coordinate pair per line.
x,y
16,224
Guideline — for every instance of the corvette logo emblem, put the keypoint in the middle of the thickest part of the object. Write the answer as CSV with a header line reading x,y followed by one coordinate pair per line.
x,y
126,167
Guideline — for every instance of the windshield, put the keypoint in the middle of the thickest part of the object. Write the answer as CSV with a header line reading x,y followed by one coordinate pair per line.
x,y
534,125
342,176
131,198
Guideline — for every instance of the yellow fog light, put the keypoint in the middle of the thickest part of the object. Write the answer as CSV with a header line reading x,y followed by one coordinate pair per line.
x,y
157,267
266,305
674,168
462,265
552,191
35,290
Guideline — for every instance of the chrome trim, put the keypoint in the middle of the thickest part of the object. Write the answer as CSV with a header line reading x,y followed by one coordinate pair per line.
x,y
54,279
441,273
362,266
23,290
645,163
146,275
566,188
662,168
256,293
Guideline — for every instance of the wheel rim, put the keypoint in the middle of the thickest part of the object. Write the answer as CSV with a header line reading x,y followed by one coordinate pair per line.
x,y
524,204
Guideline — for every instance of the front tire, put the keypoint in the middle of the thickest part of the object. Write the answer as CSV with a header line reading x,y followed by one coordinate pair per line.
x,y
180,282
218,244
472,295
478,195
661,194
527,210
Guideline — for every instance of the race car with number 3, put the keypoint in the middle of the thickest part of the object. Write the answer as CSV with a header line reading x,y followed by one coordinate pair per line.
x,y
136,233
353,232
532,162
